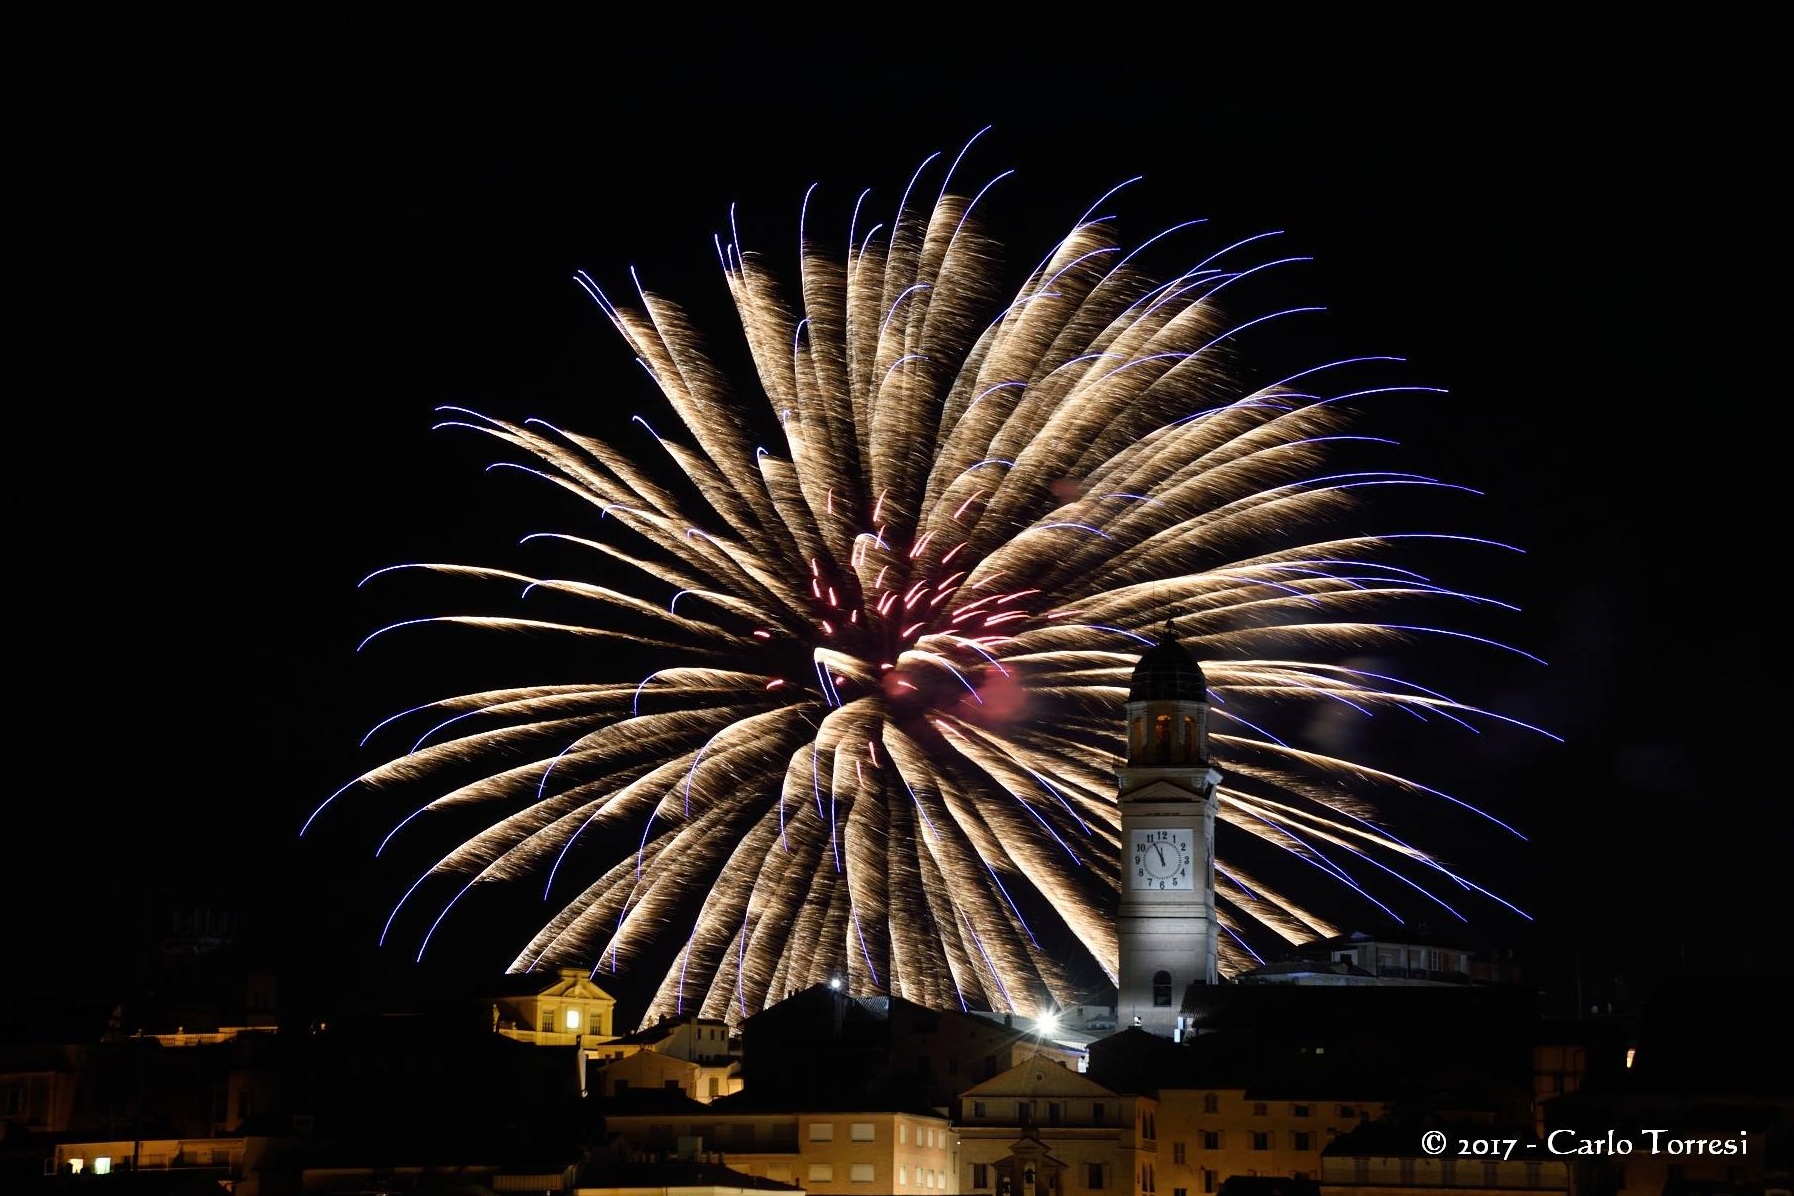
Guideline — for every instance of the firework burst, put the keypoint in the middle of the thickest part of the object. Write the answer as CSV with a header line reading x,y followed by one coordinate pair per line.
x,y
876,735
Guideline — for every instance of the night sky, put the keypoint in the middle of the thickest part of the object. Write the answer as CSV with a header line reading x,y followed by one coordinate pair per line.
x,y
253,277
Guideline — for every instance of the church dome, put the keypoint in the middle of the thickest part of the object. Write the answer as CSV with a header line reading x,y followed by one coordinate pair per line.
x,y
1167,672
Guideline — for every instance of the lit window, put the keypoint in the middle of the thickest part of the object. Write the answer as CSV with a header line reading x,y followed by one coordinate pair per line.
x,y
903,1174
572,1019
860,1173
903,1133
860,1131
822,1173
822,1131
76,1166
103,1165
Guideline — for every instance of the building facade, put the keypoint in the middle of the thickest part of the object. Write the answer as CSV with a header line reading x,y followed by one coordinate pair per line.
x,y
1043,1129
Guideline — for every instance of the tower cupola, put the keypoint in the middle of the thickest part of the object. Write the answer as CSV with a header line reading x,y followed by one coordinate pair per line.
x,y
1167,705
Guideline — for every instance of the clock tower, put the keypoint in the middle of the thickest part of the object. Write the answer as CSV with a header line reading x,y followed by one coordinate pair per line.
x,y
1166,927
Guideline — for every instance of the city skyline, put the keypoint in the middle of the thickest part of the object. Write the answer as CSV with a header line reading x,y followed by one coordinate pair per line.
x,y
322,269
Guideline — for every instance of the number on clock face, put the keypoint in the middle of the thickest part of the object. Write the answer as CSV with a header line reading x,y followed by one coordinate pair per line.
x,y
1162,859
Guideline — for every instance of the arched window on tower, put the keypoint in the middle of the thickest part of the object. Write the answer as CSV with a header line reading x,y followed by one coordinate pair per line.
x,y
1161,737
1190,739
1161,990
1139,735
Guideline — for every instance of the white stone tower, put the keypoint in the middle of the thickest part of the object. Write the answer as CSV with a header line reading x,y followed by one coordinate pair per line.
x,y
1166,926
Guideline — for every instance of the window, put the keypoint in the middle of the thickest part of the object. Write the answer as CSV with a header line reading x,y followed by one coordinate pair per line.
x,y
1304,1140
1211,1103
1150,1125
1180,1192
1260,1109
860,1131
1161,990
716,1086
1208,1180
822,1131
822,1173
980,1176
902,1175
1093,1176
1347,1111
1301,1110
903,1133
572,1019
103,1165
1261,1140
1177,1152
977,1108
1097,1112
1211,1139
860,1173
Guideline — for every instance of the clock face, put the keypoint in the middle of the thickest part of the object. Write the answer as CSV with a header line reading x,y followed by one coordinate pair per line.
x,y
1162,859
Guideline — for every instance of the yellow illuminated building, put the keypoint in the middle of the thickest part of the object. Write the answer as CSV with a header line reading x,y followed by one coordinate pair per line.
x,y
871,1152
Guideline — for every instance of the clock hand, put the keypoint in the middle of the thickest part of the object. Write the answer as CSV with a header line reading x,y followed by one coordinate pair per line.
x,y
1160,848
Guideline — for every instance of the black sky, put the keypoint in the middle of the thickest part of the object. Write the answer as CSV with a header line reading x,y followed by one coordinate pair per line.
x,y
253,276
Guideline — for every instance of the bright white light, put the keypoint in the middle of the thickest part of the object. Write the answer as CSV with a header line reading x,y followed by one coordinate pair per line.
x,y
835,983
1047,1023
572,1019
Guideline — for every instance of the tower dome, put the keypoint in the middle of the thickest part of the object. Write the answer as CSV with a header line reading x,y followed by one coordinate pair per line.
x,y
1167,672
